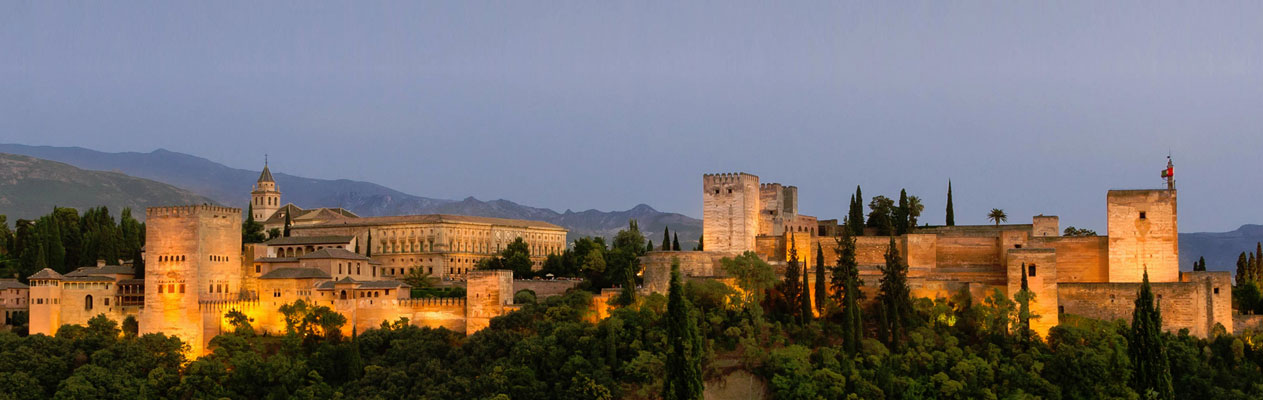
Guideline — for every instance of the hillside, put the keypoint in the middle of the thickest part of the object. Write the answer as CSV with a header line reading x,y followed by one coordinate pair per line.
x,y
1219,248
30,187
231,186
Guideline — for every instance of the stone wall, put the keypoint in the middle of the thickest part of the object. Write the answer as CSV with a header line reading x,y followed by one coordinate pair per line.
x,y
1079,259
545,288
1143,235
1184,305
967,251
487,293
1046,226
657,267
1040,268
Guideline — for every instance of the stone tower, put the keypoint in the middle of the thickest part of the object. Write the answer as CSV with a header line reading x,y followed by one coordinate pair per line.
x,y
265,198
730,212
1143,235
192,255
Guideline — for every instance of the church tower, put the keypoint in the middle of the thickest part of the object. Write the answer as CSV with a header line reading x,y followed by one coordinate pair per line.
x,y
265,199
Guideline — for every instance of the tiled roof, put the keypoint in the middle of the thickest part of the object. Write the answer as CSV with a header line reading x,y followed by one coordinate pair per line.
x,y
46,273
104,270
87,278
266,176
276,259
295,273
382,284
293,240
434,219
338,253
12,284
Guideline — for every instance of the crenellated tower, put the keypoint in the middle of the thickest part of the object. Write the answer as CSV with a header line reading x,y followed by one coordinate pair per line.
x,y
265,198
730,212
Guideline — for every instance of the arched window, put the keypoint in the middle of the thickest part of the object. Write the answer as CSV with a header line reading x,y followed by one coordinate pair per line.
x,y
87,302
344,295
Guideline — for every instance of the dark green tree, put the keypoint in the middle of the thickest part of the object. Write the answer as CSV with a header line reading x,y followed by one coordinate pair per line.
x,y
675,241
792,287
805,297
901,214
700,245
856,215
951,210
251,230
1023,299
684,354
666,239
368,245
821,281
894,295
288,222
846,287
881,215
1201,264
1151,369
648,245
138,263
1243,270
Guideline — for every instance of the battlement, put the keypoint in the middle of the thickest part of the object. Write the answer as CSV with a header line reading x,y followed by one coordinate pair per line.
x,y
187,211
458,302
726,178
769,185
227,305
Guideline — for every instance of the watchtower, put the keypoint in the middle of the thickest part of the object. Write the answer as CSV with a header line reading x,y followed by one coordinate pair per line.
x,y
1144,233
192,254
730,212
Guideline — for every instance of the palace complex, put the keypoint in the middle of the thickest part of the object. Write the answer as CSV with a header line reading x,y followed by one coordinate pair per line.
x,y
1093,276
197,270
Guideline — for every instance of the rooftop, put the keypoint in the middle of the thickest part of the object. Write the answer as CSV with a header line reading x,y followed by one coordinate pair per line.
x,y
46,273
103,270
295,273
12,284
382,284
302,240
337,253
434,219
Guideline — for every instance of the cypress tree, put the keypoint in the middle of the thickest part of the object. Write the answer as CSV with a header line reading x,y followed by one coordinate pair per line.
x,y
648,245
951,212
683,364
856,216
1023,298
1242,271
1152,371
288,222
895,300
792,288
666,239
1252,274
138,264
369,245
675,242
845,283
700,245
821,285
1200,264
901,213
1258,262
805,298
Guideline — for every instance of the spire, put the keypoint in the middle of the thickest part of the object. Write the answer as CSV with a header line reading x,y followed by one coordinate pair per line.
x,y
266,176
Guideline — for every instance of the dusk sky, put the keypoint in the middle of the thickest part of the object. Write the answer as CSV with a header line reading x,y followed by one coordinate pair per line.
x,y
1038,107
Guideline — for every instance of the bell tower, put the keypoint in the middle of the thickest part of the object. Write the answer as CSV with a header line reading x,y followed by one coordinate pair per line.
x,y
265,199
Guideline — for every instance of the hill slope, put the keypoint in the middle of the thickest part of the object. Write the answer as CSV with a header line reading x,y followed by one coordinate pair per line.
x,y
231,186
1219,248
30,187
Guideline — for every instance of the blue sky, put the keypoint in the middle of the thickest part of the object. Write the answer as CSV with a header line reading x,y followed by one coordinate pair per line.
x,y
1033,108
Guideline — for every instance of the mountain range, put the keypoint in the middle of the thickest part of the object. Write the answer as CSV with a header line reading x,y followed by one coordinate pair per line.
x,y
30,187
231,186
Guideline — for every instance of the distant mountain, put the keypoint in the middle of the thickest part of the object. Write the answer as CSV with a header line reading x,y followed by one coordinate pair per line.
x,y
231,186
1220,249
30,187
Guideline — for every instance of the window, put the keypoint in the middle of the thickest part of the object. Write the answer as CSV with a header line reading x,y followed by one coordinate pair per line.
x,y
181,288
343,295
258,268
159,289
87,302
1142,215
1061,309
1031,270
107,301
170,288
1216,290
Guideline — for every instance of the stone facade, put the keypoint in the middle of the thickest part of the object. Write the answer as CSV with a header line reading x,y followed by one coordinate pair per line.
x,y
1073,275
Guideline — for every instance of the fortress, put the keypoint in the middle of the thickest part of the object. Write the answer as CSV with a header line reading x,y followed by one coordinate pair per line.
x,y
1093,276
197,270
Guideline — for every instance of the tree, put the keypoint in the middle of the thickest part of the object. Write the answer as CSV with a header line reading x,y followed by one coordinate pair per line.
x,y
288,222
649,246
881,215
1243,270
845,281
131,327
275,233
754,276
821,281
805,297
684,355
368,245
856,215
6,237
419,278
914,211
1076,232
251,230
1200,264
700,245
1152,370
895,296
138,264
1023,298
951,211
666,239
675,241
900,215
240,322
997,215
792,286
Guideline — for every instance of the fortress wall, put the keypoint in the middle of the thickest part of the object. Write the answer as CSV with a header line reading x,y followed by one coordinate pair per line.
x,y
1079,259
956,251
920,251
871,250
1041,270
657,266
1218,286
488,292
730,211
545,288
1183,304
771,248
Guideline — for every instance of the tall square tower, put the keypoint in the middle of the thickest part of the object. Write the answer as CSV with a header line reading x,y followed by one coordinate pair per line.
x,y
730,212
1143,235
192,254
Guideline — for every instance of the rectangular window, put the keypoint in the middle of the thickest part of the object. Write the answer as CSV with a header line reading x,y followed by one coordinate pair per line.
x,y
1216,290
181,288
1031,270
1142,215
159,289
